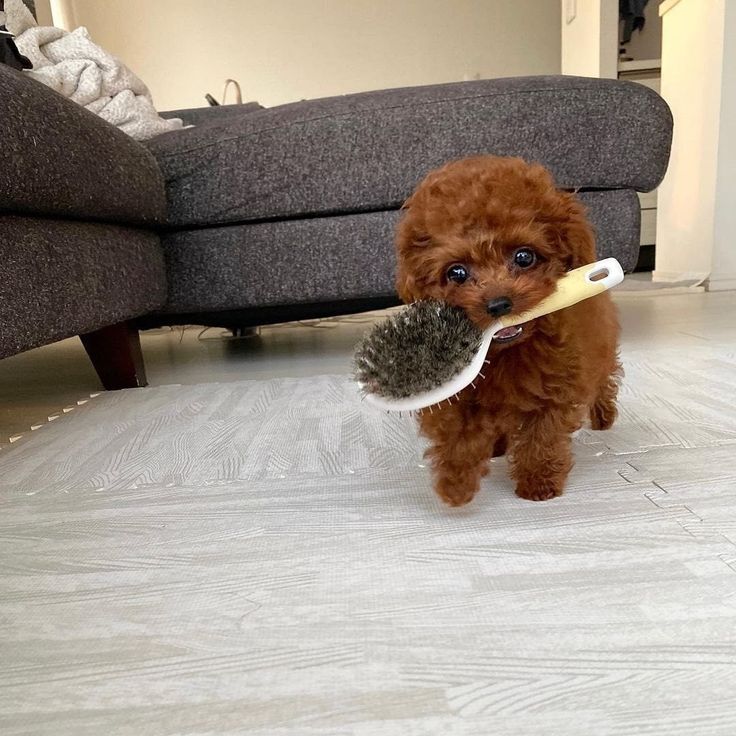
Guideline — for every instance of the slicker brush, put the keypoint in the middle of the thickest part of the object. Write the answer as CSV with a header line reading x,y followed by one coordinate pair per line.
x,y
429,352
416,350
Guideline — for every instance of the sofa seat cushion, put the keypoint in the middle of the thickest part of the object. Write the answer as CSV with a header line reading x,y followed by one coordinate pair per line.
x,y
60,160
366,152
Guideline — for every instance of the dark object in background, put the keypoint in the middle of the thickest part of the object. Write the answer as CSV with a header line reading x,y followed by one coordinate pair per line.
x,y
645,264
631,12
9,53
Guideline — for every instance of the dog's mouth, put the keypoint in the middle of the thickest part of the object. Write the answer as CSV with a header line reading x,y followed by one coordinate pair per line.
x,y
507,334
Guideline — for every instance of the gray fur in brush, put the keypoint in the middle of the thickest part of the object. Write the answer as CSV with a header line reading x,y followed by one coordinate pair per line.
x,y
416,350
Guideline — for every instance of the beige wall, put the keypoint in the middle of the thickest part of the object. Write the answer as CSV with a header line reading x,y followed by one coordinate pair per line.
x,y
589,41
43,12
285,50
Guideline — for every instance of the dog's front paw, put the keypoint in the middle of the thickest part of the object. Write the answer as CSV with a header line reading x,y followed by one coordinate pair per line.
x,y
455,492
602,416
538,490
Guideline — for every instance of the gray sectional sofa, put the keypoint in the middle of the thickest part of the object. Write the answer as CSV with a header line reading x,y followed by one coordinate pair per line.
x,y
258,215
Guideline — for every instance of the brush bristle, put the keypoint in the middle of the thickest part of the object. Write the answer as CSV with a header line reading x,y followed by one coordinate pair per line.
x,y
416,350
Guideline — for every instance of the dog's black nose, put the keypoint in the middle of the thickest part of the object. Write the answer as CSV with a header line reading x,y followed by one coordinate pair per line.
x,y
499,306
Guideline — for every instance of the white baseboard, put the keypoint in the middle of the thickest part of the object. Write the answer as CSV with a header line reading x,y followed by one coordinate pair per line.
x,y
619,295
680,277
722,283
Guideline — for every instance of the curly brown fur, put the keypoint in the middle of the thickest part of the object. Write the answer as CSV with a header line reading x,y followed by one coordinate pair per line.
x,y
562,369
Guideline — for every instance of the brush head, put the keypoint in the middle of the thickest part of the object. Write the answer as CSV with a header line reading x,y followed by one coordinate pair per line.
x,y
416,350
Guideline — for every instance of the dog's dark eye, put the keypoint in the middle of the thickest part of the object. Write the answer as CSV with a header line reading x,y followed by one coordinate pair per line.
x,y
457,273
525,257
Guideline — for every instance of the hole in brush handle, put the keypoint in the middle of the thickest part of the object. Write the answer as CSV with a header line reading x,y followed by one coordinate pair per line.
x,y
599,274
606,273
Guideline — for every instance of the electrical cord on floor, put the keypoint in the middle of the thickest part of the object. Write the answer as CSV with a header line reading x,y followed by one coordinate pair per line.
x,y
321,323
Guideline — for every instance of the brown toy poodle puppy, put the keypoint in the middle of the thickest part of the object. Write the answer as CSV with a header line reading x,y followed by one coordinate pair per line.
x,y
493,235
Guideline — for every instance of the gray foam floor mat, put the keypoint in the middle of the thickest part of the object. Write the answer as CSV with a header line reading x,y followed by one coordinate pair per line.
x,y
267,558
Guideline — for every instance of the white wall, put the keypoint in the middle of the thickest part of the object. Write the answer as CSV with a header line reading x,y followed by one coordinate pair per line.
x,y
723,267
285,50
696,216
589,38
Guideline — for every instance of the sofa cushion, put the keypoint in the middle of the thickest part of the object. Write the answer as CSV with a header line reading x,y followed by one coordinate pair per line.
x,y
62,278
330,259
60,160
367,152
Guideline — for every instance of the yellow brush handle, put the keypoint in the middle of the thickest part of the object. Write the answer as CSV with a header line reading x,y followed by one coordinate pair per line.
x,y
573,288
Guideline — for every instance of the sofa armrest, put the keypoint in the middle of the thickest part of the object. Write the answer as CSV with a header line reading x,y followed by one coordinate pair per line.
x,y
61,160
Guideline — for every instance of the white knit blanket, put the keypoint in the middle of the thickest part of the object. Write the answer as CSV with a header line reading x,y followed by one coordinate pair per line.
x,y
74,66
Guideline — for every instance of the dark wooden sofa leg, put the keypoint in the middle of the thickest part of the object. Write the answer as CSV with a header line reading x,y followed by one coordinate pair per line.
x,y
115,352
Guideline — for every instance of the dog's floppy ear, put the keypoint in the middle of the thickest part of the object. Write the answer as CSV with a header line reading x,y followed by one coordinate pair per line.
x,y
577,238
406,284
